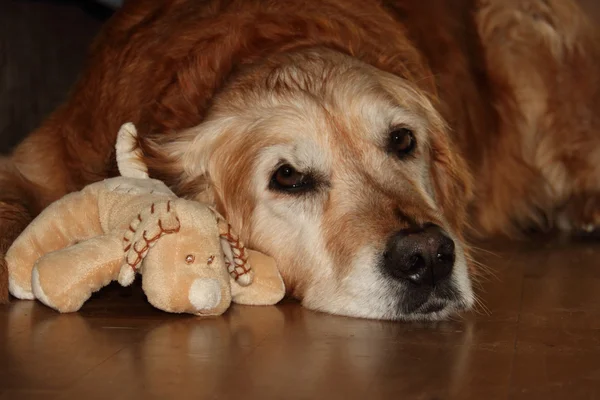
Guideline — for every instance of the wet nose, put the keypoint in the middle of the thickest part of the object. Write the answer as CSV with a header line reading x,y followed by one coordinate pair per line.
x,y
424,256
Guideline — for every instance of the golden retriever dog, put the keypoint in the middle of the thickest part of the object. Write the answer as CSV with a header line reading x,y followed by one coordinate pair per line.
x,y
359,142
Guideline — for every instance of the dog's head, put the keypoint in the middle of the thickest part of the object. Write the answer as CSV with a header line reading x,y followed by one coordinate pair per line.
x,y
343,173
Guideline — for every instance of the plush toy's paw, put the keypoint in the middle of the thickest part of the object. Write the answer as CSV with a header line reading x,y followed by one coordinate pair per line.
x,y
37,289
19,292
60,305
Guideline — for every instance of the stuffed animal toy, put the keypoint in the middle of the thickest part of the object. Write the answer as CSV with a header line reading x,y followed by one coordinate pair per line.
x,y
190,260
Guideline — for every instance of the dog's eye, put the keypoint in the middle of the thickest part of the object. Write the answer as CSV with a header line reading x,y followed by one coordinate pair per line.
x,y
402,142
287,179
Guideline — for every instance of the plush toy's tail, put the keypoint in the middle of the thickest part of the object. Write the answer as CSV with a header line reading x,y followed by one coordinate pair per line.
x,y
129,155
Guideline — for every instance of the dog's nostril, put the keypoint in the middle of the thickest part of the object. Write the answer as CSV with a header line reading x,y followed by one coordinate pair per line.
x,y
415,263
424,256
445,257
445,252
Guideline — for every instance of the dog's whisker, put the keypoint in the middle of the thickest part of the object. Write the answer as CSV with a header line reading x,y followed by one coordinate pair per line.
x,y
482,271
483,250
480,308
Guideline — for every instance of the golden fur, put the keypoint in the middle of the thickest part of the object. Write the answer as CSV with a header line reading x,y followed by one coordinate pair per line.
x,y
502,97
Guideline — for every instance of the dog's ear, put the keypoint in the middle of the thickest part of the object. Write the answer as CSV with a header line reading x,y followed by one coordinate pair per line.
x,y
182,159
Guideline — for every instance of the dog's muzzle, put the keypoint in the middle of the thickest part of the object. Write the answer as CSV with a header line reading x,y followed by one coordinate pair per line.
x,y
422,260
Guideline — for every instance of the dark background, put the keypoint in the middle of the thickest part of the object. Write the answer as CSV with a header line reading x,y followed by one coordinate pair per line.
x,y
42,47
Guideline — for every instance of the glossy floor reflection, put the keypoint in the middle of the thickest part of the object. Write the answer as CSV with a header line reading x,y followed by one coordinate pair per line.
x,y
538,338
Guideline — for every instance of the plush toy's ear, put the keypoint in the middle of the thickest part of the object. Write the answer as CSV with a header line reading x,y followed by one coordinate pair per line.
x,y
236,255
267,287
151,224
129,155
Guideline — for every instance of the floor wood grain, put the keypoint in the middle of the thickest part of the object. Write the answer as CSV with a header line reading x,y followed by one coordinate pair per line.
x,y
537,335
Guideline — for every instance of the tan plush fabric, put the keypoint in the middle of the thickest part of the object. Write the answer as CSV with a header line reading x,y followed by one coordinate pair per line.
x,y
65,279
115,228
267,286
73,218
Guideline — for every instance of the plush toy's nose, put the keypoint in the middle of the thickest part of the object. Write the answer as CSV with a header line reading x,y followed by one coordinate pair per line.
x,y
205,294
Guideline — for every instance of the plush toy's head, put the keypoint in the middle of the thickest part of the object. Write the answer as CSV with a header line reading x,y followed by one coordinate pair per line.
x,y
178,247
190,260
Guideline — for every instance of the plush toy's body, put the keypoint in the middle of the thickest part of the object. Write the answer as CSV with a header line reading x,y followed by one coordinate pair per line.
x,y
189,259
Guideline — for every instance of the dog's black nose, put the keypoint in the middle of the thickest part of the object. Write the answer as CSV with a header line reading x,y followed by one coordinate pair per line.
x,y
424,256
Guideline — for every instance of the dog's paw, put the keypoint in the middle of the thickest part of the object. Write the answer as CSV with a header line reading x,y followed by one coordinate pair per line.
x,y
581,216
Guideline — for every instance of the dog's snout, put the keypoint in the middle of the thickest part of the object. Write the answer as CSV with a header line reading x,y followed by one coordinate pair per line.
x,y
424,256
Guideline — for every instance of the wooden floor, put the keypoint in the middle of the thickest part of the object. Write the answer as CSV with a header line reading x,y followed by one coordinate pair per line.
x,y
538,338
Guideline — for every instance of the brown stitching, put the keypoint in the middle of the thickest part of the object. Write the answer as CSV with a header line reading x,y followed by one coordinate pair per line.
x,y
240,261
174,230
135,263
135,248
139,218
131,229
152,209
168,205
150,242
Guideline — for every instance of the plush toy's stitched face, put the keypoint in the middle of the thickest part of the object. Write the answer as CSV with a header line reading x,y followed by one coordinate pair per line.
x,y
185,271
346,176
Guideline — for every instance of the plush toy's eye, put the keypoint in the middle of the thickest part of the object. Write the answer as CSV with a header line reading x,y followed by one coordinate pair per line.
x,y
189,259
402,142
